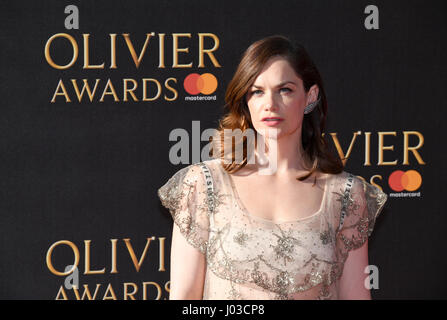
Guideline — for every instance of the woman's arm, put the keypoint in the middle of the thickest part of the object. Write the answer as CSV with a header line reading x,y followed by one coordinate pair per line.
x,y
352,281
188,268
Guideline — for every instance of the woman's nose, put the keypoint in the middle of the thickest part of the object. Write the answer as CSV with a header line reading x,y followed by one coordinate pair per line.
x,y
268,107
269,102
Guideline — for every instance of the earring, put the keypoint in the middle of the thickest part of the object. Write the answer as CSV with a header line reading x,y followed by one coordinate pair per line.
x,y
309,108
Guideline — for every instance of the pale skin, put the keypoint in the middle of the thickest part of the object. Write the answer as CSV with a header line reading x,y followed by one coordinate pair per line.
x,y
277,91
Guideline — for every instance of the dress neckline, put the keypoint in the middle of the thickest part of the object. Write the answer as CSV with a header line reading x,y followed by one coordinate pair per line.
x,y
244,209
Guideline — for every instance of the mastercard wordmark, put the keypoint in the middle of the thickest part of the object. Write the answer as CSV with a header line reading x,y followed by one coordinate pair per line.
x,y
409,180
195,83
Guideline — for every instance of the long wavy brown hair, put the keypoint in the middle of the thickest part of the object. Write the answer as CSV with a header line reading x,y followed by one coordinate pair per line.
x,y
317,155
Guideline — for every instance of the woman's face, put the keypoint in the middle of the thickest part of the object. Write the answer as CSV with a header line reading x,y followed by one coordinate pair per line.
x,y
277,98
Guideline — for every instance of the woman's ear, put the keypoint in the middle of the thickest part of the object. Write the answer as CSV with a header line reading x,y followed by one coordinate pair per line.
x,y
312,94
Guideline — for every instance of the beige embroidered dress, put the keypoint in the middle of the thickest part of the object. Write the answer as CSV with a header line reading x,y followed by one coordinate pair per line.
x,y
249,257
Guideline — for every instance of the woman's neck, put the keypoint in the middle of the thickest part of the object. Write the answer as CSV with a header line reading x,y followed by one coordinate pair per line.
x,y
282,156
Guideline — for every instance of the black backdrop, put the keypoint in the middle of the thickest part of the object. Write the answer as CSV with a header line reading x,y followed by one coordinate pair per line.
x,y
86,170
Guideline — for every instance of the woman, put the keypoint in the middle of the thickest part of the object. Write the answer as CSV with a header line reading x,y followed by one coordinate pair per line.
x,y
298,232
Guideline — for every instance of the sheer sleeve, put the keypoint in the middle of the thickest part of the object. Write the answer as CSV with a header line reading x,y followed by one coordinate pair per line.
x,y
184,194
362,204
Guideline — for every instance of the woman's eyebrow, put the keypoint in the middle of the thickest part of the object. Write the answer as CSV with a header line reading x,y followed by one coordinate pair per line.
x,y
279,85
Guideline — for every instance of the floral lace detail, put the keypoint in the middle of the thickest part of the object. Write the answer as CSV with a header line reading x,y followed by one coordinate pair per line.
x,y
191,204
285,247
301,259
325,237
364,203
241,238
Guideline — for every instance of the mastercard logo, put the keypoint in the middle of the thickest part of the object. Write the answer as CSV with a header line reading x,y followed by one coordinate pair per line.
x,y
409,180
196,83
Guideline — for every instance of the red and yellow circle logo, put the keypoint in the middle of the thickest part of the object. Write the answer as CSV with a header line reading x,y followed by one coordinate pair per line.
x,y
409,180
195,83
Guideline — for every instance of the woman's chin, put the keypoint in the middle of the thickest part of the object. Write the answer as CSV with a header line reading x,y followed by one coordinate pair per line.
x,y
272,134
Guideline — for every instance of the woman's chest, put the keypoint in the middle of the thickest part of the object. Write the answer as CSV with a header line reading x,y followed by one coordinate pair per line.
x,y
282,243
277,257
279,201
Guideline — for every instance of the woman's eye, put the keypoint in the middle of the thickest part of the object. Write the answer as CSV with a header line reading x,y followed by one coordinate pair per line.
x,y
256,92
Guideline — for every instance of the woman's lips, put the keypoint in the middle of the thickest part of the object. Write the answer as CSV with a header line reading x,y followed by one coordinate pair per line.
x,y
273,121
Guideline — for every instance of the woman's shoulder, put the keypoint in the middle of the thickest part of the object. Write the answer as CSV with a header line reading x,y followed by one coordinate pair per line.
x,y
197,167
343,177
198,173
357,186
192,174
212,162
